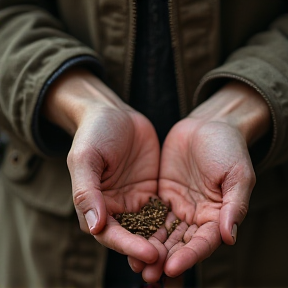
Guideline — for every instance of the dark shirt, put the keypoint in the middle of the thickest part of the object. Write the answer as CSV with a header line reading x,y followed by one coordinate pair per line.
x,y
153,89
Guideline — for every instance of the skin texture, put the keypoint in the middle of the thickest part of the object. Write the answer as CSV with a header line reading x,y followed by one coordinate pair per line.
x,y
206,177
113,161
204,173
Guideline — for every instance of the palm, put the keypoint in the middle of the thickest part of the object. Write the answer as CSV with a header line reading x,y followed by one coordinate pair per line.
x,y
130,180
188,182
204,175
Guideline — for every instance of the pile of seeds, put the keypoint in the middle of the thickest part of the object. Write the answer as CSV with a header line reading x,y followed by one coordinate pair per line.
x,y
146,222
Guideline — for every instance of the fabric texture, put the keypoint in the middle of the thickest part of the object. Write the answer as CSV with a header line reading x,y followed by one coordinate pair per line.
x,y
212,42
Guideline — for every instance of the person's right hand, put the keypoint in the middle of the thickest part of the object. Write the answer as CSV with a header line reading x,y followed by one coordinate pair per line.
x,y
113,161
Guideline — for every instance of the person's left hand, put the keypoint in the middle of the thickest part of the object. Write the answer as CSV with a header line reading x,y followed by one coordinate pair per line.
x,y
206,177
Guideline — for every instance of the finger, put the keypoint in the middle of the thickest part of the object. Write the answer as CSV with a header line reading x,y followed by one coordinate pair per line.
x,y
135,264
235,207
91,210
119,239
203,243
181,236
86,174
170,218
175,194
190,233
176,236
152,273
159,237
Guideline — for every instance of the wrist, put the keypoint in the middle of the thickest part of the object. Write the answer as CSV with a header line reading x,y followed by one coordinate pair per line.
x,y
73,95
240,106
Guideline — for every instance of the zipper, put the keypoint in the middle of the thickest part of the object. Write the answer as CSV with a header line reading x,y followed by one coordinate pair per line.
x,y
251,84
130,53
177,60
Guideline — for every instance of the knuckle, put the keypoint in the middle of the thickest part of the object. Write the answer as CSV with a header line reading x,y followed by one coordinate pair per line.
x,y
243,210
75,155
80,198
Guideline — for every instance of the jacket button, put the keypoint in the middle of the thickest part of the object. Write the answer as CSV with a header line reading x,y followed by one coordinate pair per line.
x,y
15,157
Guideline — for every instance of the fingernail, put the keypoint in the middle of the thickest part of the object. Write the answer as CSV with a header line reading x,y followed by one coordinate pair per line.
x,y
234,232
91,218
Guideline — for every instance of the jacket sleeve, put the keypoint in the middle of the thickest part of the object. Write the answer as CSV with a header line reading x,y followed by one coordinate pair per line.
x,y
34,51
262,64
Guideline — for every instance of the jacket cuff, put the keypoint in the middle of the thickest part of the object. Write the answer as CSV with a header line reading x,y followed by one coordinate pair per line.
x,y
261,76
50,139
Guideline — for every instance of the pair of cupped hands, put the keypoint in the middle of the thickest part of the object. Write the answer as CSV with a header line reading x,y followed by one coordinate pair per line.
x,y
203,171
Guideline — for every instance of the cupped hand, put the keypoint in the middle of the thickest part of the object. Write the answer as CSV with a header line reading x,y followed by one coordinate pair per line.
x,y
206,173
113,161
206,178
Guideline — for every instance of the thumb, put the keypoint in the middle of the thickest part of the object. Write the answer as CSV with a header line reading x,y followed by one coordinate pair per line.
x,y
233,211
85,172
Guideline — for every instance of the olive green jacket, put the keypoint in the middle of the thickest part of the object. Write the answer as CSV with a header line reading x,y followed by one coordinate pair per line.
x,y
212,41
